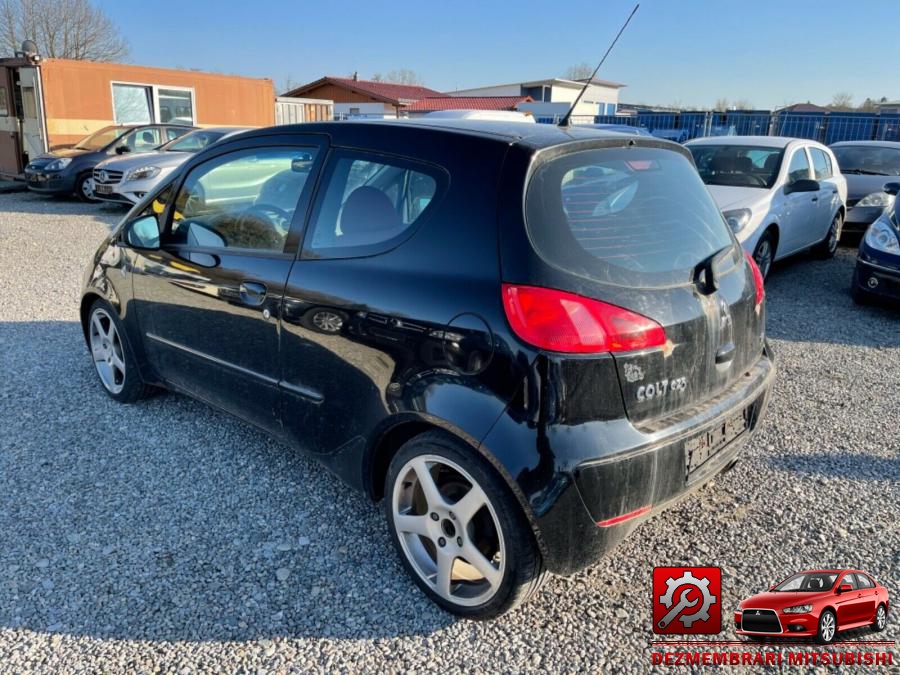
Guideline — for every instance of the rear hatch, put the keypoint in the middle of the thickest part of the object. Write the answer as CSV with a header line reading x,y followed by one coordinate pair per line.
x,y
633,226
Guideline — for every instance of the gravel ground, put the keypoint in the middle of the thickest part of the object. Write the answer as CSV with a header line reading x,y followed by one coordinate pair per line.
x,y
166,537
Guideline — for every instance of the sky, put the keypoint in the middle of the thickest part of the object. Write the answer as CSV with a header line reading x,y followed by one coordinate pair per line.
x,y
675,52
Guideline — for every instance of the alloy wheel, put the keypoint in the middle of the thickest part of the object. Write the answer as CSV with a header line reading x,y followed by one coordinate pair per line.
x,y
107,351
834,234
87,188
763,257
327,322
881,617
827,627
448,530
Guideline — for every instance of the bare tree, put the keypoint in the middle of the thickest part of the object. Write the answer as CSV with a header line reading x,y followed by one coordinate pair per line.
x,y
742,104
403,76
64,29
377,77
580,71
721,105
841,101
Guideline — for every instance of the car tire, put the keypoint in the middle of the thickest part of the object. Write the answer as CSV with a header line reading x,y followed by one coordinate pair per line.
x,y
114,362
880,621
826,248
764,253
461,508
84,188
827,628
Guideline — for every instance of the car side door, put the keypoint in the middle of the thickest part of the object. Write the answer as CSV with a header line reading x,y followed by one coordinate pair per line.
x,y
868,597
829,197
848,601
209,298
801,208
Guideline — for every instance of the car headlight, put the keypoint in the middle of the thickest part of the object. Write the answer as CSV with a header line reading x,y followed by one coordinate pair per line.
x,y
881,237
143,172
737,219
797,609
58,164
880,199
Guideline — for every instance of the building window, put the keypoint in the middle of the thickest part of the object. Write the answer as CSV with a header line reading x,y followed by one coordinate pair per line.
x,y
146,104
4,103
176,105
132,104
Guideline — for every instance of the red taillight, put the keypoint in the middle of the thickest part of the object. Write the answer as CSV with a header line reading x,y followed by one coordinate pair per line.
x,y
757,278
565,322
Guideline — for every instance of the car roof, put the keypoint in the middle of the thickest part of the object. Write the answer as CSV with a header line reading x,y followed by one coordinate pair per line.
x,y
867,144
762,141
533,135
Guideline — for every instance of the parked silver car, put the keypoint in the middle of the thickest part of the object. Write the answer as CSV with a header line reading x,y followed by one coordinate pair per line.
x,y
128,179
779,195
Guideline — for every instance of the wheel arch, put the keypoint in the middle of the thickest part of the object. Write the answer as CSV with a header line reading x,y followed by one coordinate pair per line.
x,y
87,301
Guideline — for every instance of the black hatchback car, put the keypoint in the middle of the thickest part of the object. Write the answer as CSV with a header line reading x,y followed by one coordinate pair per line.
x,y
524,338
67,171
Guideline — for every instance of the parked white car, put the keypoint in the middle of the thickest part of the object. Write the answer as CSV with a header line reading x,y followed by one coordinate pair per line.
x,y
128,179
779,195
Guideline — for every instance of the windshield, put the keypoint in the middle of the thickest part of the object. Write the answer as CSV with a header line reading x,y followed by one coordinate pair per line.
x,y
737,165
808,582
100,139
868,160
625,216
193,141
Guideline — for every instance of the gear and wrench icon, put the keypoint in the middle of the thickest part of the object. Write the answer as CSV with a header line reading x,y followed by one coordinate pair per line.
x,y
688,579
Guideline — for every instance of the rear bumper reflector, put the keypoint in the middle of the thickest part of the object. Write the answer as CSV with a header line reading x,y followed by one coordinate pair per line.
x,y
637,513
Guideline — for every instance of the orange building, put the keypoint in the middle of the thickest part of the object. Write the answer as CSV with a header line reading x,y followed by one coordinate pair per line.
x,y
55,102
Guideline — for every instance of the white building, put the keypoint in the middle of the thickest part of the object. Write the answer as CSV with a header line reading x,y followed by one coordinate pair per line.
x,y
553,96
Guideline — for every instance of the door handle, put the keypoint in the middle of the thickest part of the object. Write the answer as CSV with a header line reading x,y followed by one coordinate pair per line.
x,y
252,293
815,199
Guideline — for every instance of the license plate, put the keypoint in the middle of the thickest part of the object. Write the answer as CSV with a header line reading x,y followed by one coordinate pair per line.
x,y
701,448
103,189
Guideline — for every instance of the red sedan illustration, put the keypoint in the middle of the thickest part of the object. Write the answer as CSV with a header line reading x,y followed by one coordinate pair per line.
x,y
816,603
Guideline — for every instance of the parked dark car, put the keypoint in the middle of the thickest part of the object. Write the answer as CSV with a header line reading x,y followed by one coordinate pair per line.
x,y
68,171
867,166
877,273
520,375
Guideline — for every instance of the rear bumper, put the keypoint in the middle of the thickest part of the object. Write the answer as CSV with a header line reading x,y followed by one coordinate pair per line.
x,y
594,502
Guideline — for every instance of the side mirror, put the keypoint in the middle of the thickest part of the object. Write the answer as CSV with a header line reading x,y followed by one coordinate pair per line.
x,y
143,233
302,162
802,185
845,588
892,188
122,149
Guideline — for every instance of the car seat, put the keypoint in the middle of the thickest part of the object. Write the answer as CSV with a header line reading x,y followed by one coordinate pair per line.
x,y
368,216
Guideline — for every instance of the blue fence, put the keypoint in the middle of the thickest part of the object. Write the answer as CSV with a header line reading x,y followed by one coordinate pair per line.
x,y
826,128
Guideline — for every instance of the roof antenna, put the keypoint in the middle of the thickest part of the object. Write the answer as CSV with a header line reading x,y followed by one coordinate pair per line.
x,y
564,122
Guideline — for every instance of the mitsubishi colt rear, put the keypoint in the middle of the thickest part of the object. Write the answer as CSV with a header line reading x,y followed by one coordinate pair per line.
x,y
523,355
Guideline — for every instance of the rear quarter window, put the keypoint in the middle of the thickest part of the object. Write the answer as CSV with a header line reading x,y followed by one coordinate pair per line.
x,y
626,216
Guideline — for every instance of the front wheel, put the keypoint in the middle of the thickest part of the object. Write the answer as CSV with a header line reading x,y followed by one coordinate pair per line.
x,y
880,619
826,248
764,253
827,628
459,531
115,364
84,188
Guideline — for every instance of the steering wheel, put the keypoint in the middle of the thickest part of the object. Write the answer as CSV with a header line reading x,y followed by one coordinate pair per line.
x,y
278,217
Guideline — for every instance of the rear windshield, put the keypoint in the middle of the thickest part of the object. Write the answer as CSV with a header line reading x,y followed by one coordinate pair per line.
x,y
868,160
626,216
738,165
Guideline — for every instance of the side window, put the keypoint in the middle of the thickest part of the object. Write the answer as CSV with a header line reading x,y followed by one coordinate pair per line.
x,y
174,132
799,166
864,581
849,578
143,140
821,164
242,200
369,202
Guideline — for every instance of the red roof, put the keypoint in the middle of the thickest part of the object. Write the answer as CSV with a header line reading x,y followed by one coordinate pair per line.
x,y
433,103
389,92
